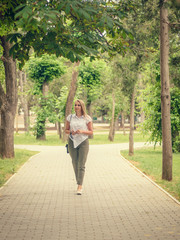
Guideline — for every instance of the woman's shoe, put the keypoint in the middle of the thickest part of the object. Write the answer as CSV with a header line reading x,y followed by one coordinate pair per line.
x,y
79,191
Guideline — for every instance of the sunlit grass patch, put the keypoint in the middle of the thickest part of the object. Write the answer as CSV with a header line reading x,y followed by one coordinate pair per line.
x,y
9,166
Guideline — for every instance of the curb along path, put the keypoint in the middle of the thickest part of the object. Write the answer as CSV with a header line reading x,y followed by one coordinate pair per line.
x,y
118,202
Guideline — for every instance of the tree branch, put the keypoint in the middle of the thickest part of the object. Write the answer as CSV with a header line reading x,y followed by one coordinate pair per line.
x,y
4,59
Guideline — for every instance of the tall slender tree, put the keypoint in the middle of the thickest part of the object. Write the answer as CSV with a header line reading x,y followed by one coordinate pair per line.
x,y
23,99
72,93
165,94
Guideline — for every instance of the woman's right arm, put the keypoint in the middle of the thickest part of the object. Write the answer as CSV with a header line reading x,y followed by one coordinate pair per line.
x,y
67,129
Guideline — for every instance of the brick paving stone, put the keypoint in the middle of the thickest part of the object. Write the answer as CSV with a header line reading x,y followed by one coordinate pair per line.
x,y
118,202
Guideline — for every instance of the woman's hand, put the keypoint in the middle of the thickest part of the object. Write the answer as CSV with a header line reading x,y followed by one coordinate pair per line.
x,y
73,132
88,132
79,131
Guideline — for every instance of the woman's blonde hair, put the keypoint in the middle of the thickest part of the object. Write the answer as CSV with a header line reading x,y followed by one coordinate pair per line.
x,y
83,107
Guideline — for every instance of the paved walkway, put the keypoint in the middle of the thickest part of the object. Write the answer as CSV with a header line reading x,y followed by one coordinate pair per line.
x,y
118,203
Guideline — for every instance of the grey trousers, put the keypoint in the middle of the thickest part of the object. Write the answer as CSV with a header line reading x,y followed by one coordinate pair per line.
x,y
79,157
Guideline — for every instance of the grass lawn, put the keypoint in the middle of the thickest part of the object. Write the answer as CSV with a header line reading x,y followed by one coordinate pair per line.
x,y
52,139
149,161
9,166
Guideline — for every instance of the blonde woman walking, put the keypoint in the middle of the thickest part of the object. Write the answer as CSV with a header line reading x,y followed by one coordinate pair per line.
x,y
79,127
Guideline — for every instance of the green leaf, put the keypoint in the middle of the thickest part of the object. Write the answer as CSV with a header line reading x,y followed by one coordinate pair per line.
x,y
20,23
109,23
52,16
91,39
124,34
67,8
61,5
19,14
86,15
70,56
118,23
13,37
19,7
101,23
25,15
13,49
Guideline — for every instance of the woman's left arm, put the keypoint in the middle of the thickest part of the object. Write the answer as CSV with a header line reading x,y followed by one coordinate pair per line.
x,y
88,132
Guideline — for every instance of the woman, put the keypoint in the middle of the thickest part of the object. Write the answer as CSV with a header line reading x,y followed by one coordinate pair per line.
x,y
79,126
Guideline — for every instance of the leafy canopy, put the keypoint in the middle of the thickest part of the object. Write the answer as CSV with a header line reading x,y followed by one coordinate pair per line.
x,y
90,79
68,28
44,69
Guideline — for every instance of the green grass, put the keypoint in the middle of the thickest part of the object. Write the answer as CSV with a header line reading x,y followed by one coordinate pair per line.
x,y
29,139
119,138
149,161
52,139
9,166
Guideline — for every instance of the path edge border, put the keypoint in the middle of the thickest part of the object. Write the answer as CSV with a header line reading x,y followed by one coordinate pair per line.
x,y
149,179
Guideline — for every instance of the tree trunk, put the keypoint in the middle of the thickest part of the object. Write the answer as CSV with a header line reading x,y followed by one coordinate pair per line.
x,y
89,111
165,97
116,124
23,99
111,130
131,133
59,129
123,123
45,89
8,102
16,119
71,95
42,122
7,135
102,119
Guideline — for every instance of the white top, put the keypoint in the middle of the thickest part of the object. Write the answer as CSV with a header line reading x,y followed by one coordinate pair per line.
x,y
78,123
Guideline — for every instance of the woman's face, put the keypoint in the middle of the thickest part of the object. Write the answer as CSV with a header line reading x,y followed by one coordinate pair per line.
x,y
77,107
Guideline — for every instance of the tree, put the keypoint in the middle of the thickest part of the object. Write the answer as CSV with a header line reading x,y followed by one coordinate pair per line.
x,y
152,106
163,7
90,81
42,71
112,124
128,66
71,94
112,81
60,108
8,94
67,28
165,94
150,12
143,29
24,99
8,102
